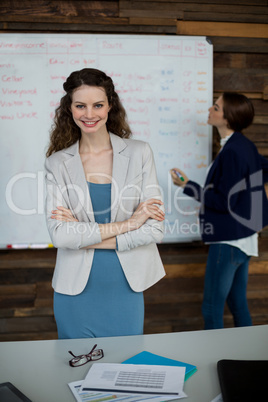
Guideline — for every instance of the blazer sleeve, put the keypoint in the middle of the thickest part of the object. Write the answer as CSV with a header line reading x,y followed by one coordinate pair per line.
x,y
66,235
218,194
264,166
152,231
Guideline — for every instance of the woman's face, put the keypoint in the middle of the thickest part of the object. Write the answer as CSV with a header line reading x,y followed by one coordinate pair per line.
x,y
90,109
215,117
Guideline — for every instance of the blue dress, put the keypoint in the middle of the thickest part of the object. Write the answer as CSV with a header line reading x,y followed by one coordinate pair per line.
x,y
107,306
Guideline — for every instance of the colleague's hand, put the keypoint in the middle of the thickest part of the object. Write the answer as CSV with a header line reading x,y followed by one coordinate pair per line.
x,y
63,214
145,210
179,178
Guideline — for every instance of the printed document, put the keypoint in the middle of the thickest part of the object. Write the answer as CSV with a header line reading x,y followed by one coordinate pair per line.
x,y
88,396
164,381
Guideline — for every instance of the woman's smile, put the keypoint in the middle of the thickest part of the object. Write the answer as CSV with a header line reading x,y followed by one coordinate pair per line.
x,y
90,123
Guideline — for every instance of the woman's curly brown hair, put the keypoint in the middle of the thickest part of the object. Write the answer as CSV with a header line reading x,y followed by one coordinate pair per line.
x,y
64,131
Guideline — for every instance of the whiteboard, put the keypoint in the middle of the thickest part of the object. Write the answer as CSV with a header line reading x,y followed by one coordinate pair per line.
x,y
165,84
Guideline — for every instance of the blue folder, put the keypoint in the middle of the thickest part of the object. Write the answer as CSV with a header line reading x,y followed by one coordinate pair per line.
x,y
152,359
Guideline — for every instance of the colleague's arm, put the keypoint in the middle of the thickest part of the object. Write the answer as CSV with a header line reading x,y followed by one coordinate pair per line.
x,y
223,194
264,166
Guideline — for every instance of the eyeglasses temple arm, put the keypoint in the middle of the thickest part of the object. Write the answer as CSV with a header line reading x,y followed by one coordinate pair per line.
x,y
92,349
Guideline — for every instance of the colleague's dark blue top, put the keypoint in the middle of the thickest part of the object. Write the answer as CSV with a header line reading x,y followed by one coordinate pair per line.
x,y
234,204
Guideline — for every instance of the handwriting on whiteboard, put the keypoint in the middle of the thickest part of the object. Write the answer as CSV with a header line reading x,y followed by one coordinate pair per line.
x,y
164,83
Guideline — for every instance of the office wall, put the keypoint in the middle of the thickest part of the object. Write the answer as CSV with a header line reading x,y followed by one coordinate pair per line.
x,y
239,33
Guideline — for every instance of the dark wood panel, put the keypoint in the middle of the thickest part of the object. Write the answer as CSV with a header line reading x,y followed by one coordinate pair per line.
x,y
26,312
27,259
224,17
15,289
184,290
253,61
176,286
239,45
17,295
257,134
85,28
27,324
31,275
219,2
58,19
42,303
153,21
38,265
62,8
24,300
169,311
189,324
132,8
259,306
44,290
256,60
247,80
28,336
150,10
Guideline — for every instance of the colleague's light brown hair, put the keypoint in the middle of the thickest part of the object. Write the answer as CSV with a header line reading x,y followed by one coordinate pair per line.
x,y
238,110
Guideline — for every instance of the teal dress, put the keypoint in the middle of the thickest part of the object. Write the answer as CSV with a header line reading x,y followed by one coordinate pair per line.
x,y
107,306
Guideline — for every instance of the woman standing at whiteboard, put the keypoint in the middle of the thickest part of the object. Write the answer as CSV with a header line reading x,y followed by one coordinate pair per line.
x,y
103,212
234,208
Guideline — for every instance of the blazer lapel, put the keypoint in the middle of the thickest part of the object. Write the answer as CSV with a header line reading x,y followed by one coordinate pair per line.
x,y
120,167
211,171
235,136
77,177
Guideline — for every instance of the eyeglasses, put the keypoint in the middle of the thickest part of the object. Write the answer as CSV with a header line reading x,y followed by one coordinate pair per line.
x,y
94,354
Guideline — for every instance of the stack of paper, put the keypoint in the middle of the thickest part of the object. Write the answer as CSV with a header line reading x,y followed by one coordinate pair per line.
x,y
143,377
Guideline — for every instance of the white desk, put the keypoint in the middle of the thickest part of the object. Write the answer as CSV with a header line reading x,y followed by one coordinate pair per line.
x,y
40,369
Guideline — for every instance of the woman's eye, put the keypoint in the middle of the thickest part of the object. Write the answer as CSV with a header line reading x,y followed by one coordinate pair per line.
x,y
79,106
98,106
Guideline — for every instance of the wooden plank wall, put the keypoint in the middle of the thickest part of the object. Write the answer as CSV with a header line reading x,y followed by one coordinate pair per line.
x,y
238,31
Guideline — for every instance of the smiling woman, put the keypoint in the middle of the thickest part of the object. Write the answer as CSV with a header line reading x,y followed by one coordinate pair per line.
x,y
65,131
100,232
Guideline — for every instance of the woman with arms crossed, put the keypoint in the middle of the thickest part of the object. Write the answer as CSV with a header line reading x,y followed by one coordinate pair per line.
x,y
103,212
233,209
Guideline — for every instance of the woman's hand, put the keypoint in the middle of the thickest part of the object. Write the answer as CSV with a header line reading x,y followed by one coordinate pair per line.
x,y
179,177
63,214
144,211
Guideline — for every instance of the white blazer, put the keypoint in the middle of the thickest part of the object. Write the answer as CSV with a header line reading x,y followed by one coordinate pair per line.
x,y
134,180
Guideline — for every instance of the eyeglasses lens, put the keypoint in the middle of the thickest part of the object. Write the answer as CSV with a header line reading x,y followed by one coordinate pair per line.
x,y
97,354
79,360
